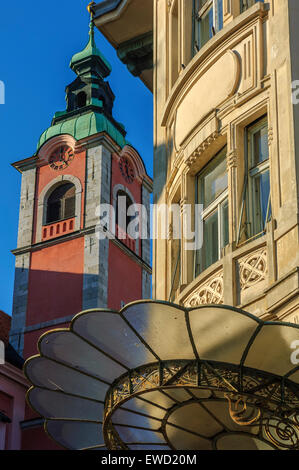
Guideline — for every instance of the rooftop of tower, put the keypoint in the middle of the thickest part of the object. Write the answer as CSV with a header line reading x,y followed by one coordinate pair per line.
x,y
89,99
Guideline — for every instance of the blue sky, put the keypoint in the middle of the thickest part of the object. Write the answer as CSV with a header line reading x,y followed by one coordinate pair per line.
x,y
37,41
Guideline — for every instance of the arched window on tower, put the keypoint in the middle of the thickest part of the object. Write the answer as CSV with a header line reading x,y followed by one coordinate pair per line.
x,y
81,99
61,203
123,204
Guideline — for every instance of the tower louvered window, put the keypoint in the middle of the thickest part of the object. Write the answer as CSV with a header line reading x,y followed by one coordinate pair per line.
x,y
61,203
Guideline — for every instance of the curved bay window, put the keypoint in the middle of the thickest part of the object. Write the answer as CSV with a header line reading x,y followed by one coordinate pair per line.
x,y
61,203
208,15
212,193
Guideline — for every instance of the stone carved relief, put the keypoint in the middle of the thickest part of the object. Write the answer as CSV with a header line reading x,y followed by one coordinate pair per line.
x,y
253,268
211,292
201,148
270,136
232,160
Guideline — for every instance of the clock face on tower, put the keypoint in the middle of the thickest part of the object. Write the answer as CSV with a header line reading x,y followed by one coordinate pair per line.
x,y
127,169
61,158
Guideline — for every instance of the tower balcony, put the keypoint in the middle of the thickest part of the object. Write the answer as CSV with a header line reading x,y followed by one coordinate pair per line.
x,y
58,229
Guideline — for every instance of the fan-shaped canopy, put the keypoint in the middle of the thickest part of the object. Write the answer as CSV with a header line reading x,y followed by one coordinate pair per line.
x,y
158,376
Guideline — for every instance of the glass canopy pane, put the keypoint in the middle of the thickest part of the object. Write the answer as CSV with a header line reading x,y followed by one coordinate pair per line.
x,y
68,348
221,334
50,404
54,376
272,350
110,333
76,435
151,320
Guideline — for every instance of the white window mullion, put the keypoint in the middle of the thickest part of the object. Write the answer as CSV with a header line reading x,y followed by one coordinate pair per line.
x,y
261,168
219,231
215,15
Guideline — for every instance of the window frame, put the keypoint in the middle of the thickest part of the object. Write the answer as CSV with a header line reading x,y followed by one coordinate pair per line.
x,y
254,171
245,8
62,206
199,13
174,43
216,206
129,202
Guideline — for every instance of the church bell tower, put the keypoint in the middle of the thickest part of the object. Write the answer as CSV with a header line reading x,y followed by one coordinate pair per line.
x,y
82,161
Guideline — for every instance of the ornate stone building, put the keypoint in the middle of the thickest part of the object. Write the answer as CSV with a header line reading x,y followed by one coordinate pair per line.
x,y
221,80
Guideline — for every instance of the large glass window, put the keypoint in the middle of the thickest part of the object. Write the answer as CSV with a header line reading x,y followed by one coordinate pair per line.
x,y
245,4
212,193
61,203
258,195
208,21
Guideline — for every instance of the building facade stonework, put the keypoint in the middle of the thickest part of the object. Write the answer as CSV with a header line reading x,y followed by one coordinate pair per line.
x,y
211,98
224,88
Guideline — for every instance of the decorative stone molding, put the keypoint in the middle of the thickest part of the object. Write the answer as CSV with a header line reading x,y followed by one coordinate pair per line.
x,y
52,144
232,160
183,203
170,232
137,54
211,292
253,268
140,171
270,136
201,148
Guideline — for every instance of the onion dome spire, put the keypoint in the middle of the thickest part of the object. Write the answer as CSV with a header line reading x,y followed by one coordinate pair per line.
x,y
90,61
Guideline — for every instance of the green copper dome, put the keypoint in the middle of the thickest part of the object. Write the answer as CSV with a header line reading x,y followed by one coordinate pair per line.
x,y
84,126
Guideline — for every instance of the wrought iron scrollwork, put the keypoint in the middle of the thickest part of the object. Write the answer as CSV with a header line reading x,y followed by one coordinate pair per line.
x,y
264,405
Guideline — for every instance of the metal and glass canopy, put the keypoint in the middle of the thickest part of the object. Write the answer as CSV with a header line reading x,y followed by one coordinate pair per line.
x,y
158,376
